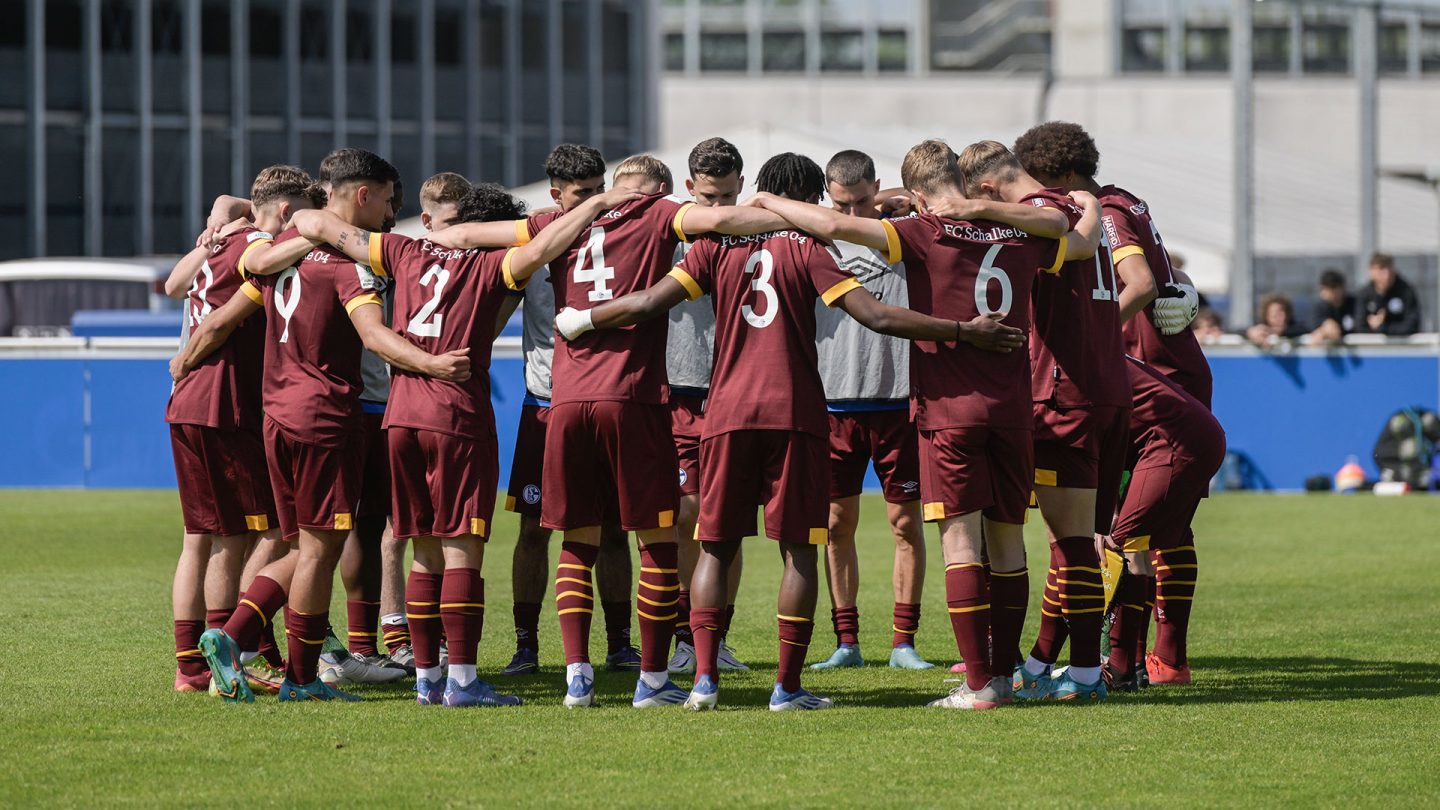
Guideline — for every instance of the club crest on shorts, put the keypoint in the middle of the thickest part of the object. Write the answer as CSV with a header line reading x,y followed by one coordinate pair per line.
x,y
683,477
531,494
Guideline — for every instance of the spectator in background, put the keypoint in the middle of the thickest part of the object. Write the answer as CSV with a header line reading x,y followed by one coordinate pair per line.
x,y
1207,326
1388,305
1277,322
1334,312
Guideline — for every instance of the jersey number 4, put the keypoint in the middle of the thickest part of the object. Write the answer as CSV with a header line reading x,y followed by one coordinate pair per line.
x,y
597,272
427,321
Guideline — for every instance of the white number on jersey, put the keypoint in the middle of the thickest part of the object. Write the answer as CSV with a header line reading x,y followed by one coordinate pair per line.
x,y
427,321
1102,260
287,297
761,284
1164,254
199,291
988,273
598,272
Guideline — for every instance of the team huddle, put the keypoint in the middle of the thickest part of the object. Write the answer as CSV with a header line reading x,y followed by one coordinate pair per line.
x,y
999,333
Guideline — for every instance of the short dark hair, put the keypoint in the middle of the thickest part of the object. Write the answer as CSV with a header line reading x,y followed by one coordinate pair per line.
x,y
1332,279
849,167
1056,148
715,157
791,175
351,165
573,162
1382,260
488,202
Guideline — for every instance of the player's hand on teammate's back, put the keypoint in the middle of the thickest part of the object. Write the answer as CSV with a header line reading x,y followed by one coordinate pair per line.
x,y
956,208
307,222
451,366
1083,198
616,197
988,333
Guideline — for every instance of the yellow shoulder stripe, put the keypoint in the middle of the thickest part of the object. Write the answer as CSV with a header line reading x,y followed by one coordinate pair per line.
x,y
240,265
892,241
837,292
377,255
1119,254
522,232
1059,255
350,306
253,294
692,287
510,281
679,222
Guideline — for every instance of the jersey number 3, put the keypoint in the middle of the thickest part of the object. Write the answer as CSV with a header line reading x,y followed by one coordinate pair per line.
x,y
762,261
427,321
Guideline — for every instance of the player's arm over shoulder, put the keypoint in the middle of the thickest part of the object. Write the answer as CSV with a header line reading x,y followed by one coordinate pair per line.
x,y
827,223
212,332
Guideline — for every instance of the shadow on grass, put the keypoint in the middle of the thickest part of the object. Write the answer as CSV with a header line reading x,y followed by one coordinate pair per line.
x,y
1242,679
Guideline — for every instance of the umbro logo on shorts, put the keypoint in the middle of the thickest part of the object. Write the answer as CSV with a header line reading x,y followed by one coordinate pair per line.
x,y
683,477
531,494
911,486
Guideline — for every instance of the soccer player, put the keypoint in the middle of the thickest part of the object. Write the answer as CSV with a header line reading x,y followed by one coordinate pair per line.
x,y
1063,156
576,173
319,312
214,416
1081,408
609,395
1176,448
765,435
867,390
715,179
440,197
972,407
442,434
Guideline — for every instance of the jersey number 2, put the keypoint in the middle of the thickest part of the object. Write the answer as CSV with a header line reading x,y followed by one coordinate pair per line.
x,y
427,321
598,272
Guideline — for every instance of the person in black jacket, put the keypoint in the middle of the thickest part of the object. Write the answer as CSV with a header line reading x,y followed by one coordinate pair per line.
x,y
1388,305
1334,316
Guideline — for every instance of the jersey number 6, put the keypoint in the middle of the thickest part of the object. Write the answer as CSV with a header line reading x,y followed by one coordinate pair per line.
x,y
988,273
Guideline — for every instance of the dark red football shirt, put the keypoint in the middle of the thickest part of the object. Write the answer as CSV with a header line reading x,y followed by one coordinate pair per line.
x,y
1131,231
444,300
766,374
1168,426
958,270
312,351
626,249
1077,354
223,391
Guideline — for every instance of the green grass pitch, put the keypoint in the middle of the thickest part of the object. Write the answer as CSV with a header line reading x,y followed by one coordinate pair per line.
x,y
1315,649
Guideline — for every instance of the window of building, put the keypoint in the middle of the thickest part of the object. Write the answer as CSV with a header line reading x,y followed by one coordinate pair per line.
x,y
723,51
1325,47
892,51
784,51
1207,49
842,50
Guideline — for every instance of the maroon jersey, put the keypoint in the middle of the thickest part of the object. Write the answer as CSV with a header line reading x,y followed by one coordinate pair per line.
x,y
1077,354
1168,427
444,300
626,249
766,374
1131,232
224,390
312,351
958,270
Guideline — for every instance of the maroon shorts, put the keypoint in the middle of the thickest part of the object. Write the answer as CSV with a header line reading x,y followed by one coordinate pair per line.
x,y
444,485
605,460
527,468
315,487
686,418
886,438
1069,443
965,469
785,470
224,484
374,469
1159,505
1114,447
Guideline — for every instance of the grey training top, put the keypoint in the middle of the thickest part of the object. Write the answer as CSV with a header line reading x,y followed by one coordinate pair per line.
x,y
537,340
690,349
374,372
856,363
